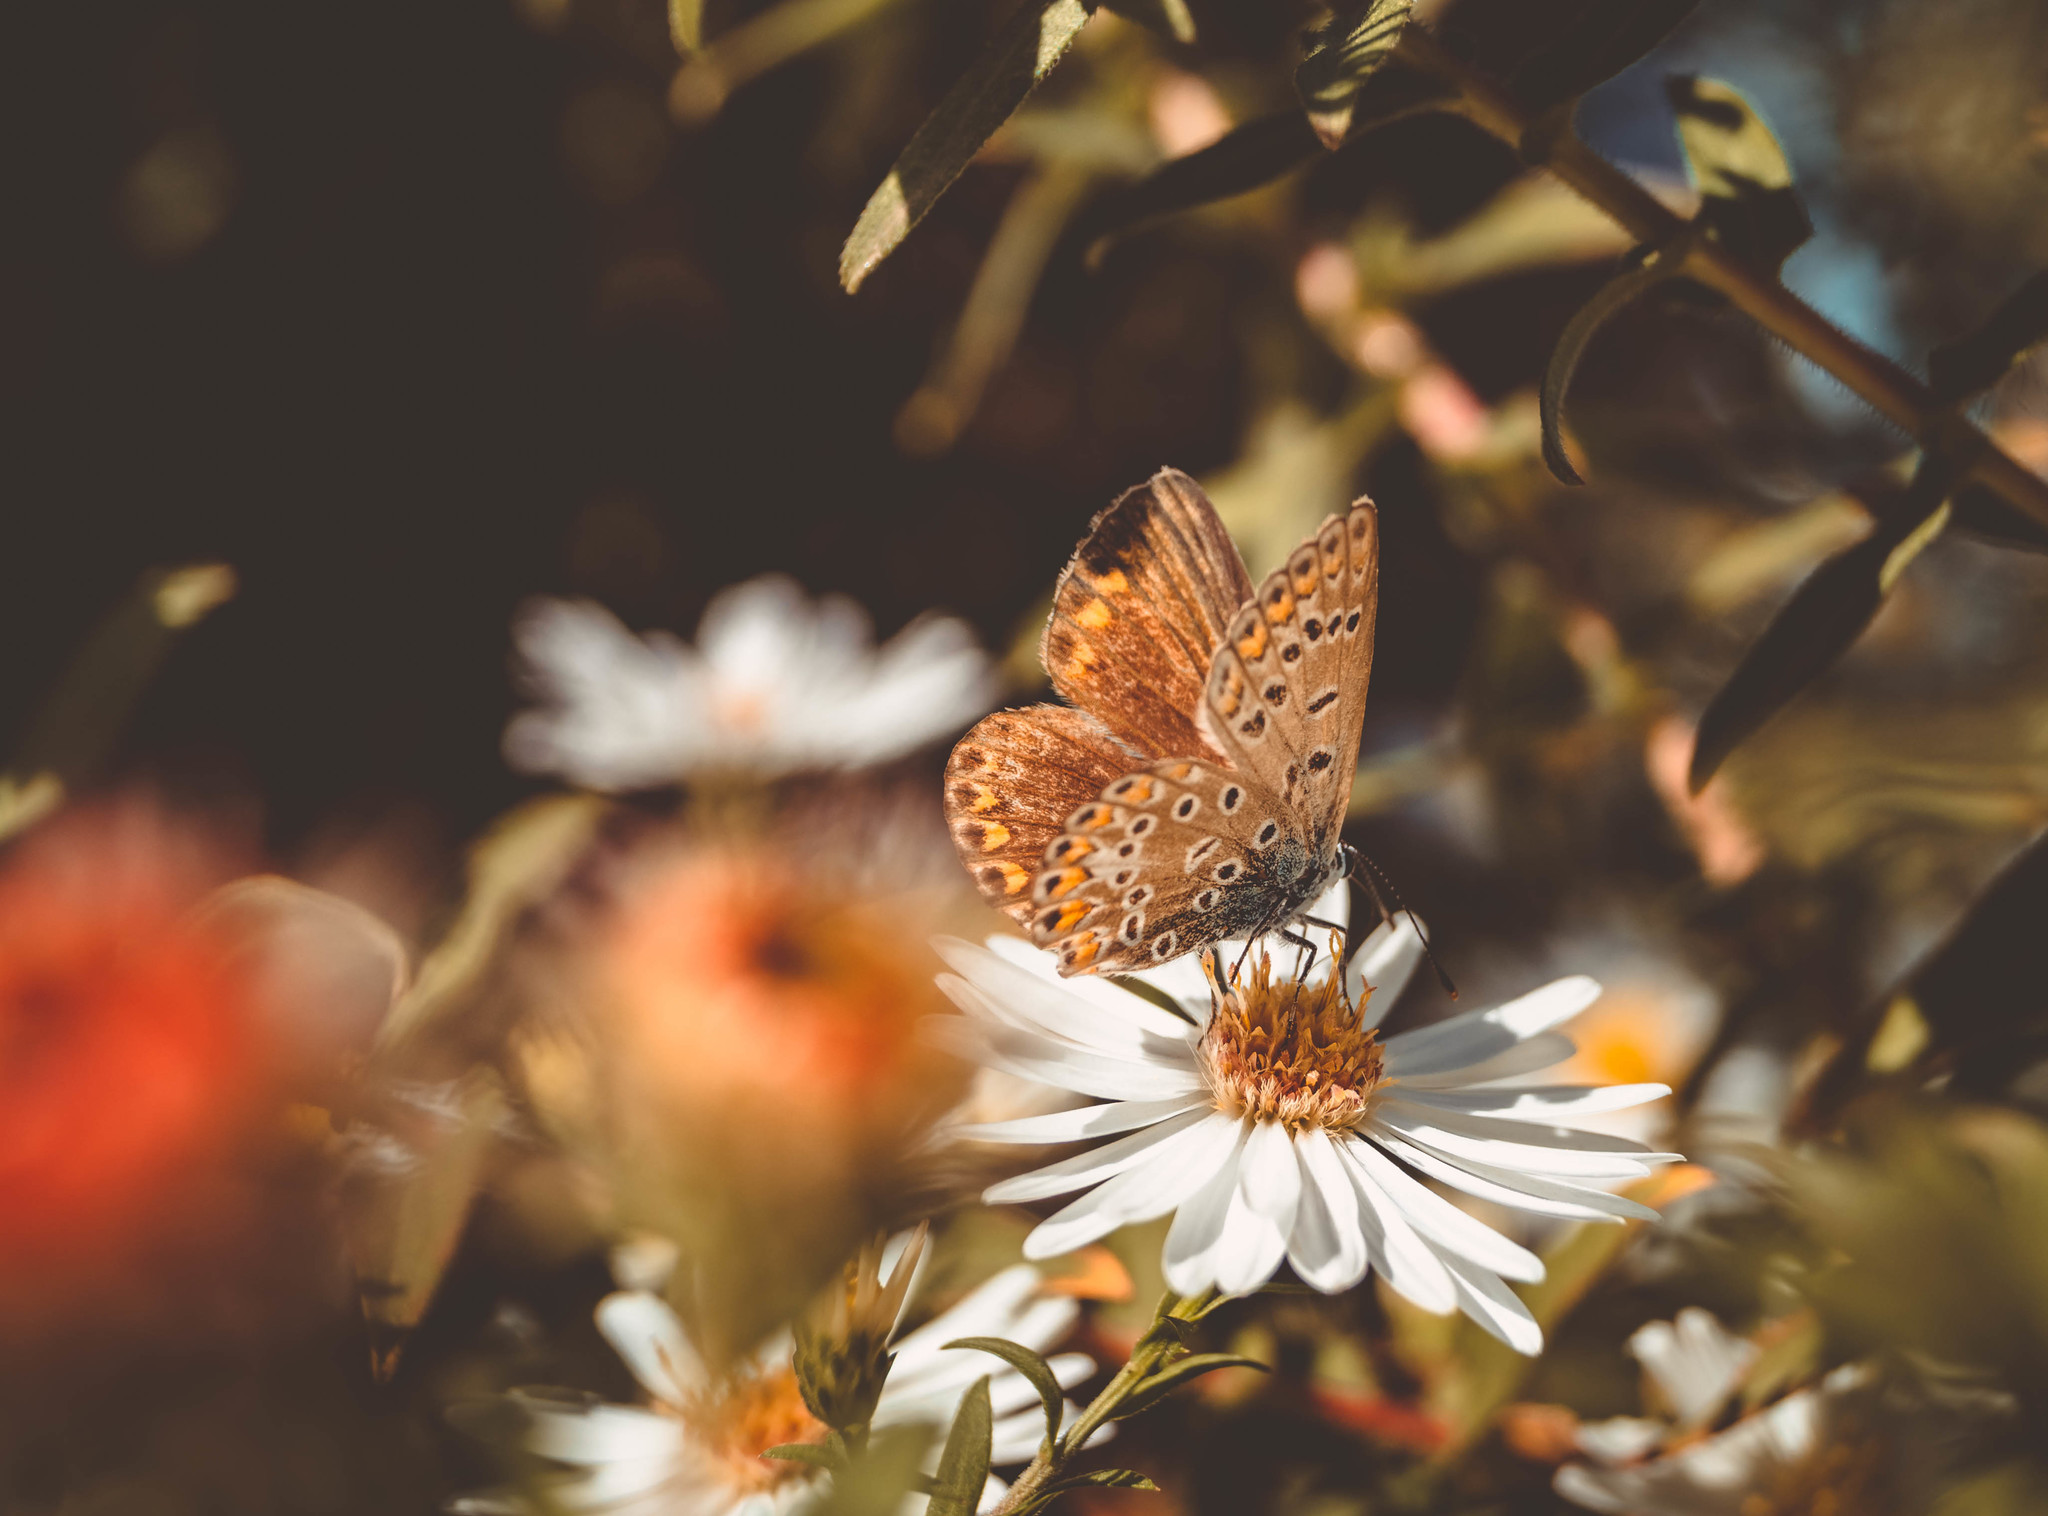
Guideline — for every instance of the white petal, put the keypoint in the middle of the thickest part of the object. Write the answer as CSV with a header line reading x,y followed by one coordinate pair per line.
x,y
1327,1246
1543,1197
1457,1137
1091,1167
1081,1123
1479,1035
1191,1242
1537,1053
1613,1492
1050,1063
1167,1176
1620,1439
1442,1223
1495,1307
1099,993
1539,1100
985,1311
646,1334
1026,1000
1270,1176
1386,962
596,1433
1411,1267
1695,1361
1250,1249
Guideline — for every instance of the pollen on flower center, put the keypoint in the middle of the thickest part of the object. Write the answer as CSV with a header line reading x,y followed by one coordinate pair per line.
x,y
1289,1052
739,1420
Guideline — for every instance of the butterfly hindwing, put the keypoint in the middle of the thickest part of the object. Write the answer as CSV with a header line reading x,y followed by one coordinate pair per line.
x,y
1285,699
1139,610
1011,784
1166,860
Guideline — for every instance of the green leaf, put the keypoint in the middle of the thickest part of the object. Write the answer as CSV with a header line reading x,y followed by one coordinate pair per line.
x,y
963,1466
815,1454
1033,1367
1097,1479
1022,53
1975,362
1747,203
1606,38
1825,615
1635,279
1170,18
876,1483
1342,55
1158,1386
686,25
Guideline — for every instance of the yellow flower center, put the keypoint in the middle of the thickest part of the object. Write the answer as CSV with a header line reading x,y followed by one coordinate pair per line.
x,y
1289,1052
737,1421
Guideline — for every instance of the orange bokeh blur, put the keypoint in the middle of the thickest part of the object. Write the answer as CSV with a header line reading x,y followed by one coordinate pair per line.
x,y
131,1060
742,989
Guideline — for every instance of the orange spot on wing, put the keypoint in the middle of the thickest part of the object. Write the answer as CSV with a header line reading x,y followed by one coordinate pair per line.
x,y
1113,583
1082,659
1070,913
984,799
1068,881
1014,877
1180,771
1086,952
1095,615
1068,849
1281,610
993,835
1253,643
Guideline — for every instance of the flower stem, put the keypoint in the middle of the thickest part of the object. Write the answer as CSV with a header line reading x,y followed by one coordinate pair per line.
x,y
1548,141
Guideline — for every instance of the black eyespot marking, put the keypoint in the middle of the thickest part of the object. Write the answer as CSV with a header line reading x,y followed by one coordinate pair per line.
x,y
1322,700
1129,849
1275,694
1205,900
1049,920
1122,786
1200,851
1133,927
1226,872
1351,622
1141,826
1231,797
1313,628
1124,877
1164,944
1253,727
1186,808
1139,896
1319,760
1279,594
1291,653
1268,832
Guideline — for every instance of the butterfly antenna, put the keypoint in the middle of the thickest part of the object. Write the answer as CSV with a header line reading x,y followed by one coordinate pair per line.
x,y
1382,890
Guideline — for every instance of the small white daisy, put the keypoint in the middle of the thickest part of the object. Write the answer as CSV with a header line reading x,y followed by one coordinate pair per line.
x,y
776,683
695,1449
1796,1456
1273,1123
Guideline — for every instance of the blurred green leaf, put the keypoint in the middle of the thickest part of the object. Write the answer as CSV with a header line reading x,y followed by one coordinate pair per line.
x,y
1343,54
876,1483
1825,615
1186,1371
1979,360
1021,54
762,42
1604,39
1748,203
817,1455
1170,18
1636,279
686,25
1256,153
963,1466
1033,1367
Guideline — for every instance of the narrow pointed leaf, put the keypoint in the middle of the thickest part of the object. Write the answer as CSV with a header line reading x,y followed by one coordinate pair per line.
x,y
963,1466
1021,54
1343,54
1174,1376
686,25
1962,368
1097,1479
1816,626
1745,182
815,1454
1634,280
1607,37
1033,1367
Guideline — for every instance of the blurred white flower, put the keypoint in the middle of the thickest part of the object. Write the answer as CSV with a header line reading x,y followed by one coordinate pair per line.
x,y
1788,1457
1268,1121
695,1449
776,683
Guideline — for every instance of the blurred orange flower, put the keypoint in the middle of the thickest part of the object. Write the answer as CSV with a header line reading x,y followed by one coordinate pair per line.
x,y
132,1058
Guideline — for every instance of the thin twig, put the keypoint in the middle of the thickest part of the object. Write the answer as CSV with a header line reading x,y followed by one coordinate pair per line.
x,y
1547,141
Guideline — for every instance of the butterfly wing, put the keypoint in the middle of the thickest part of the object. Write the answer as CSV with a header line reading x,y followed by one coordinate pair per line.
x,y
1285,699
1139,611
1165,861
1011,784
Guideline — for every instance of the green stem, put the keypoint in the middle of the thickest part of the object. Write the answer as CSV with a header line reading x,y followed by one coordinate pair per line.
x,y
1894,393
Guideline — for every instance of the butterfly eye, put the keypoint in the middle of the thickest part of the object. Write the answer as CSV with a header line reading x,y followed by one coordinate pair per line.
x,y
1186,808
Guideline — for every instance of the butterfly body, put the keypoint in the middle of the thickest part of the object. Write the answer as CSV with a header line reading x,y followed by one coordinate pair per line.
x,y
1195,790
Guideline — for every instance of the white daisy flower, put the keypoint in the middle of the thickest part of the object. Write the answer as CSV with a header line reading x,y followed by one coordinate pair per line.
x,y
1273,1123
695,1449
1798,1455
776,683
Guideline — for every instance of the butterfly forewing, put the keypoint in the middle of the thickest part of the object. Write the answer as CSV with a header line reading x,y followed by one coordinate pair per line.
x,y
1139,610
1012,783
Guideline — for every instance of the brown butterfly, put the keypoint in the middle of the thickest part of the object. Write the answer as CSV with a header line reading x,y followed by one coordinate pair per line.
x,y
1196,788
